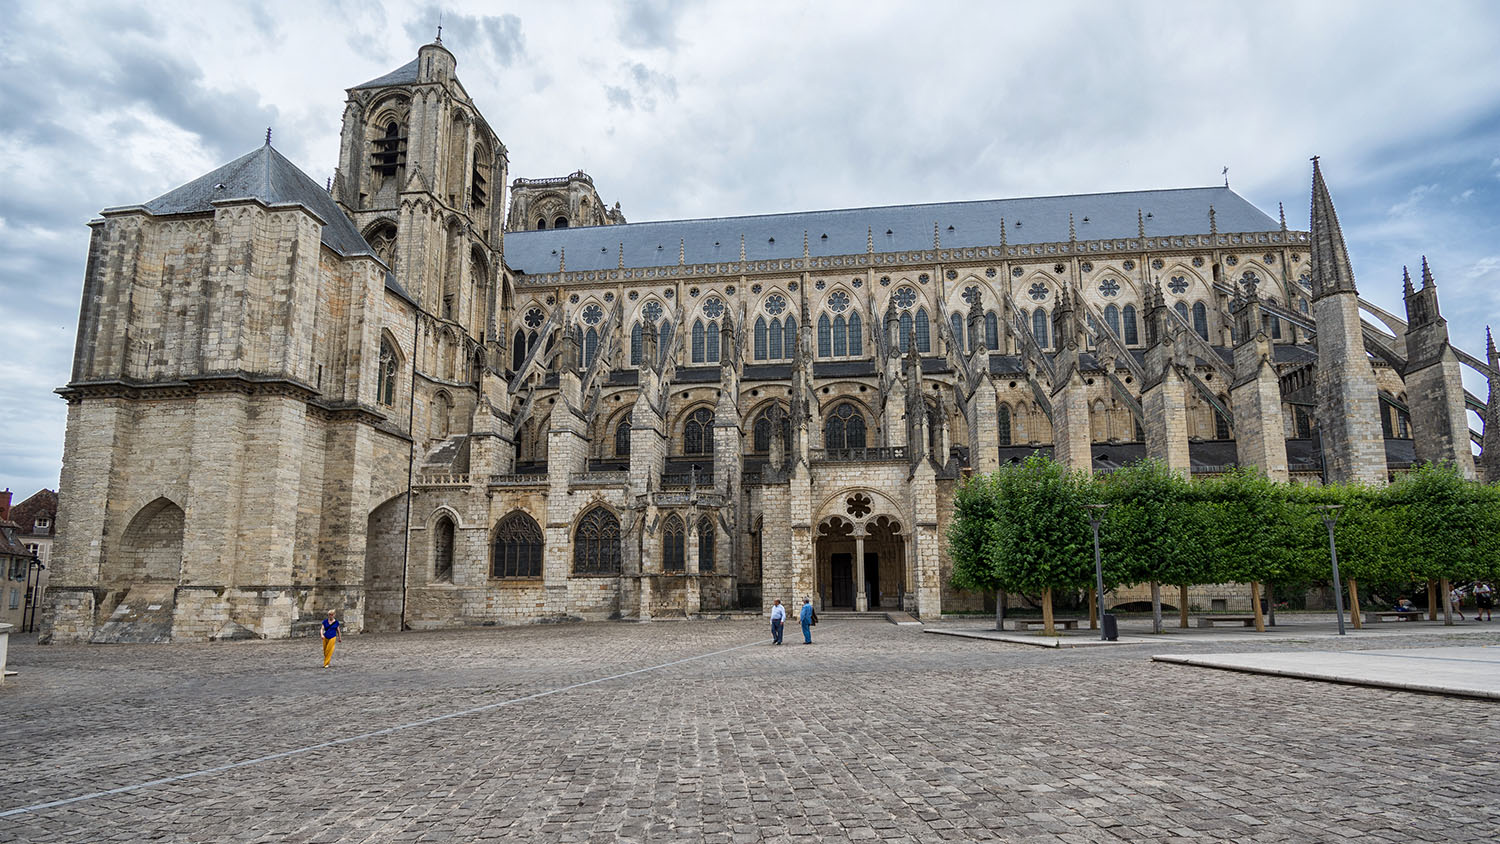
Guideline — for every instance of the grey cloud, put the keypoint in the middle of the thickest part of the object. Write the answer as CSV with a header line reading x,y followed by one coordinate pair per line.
x,y
651,23
618,97
501,35
647,87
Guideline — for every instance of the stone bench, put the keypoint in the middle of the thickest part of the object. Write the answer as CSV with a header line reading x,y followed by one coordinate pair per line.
x,y
1028,623
1395,615
1211,620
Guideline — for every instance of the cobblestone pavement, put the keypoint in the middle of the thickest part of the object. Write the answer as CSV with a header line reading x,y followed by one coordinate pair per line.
x,y
874,733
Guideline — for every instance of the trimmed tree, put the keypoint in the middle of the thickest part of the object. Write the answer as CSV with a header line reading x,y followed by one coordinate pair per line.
x,y
1146,530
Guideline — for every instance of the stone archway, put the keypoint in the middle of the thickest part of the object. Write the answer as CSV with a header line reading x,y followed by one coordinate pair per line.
x,y
860,560
151,548
385,549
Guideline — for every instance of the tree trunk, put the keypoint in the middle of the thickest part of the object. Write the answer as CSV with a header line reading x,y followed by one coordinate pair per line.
x,y
1432,608
1444,588
1260,620
1270,605
1048,627
999,609
1354,614
1182,606
1093,610
1155,607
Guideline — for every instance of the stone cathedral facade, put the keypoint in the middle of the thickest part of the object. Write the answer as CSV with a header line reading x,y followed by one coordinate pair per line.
x,y
398,397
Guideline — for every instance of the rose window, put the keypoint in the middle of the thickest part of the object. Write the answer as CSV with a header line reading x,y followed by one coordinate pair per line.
x,y
652,311
775,304
1109,287
534,318
838,302
1178,285
905,298
1037,291
592,313
713,307
971,295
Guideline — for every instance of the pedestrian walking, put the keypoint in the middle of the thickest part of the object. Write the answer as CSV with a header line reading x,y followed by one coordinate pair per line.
x,y
809,617
1456,601
778,621
332,635
1484,600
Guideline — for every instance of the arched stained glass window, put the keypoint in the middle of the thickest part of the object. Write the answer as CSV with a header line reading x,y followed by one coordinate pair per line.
x,y
697,432
518,349
664,347
673,544
711,352
790,346
845,428
1200,320
1132,333
1112,319
1004,426
698,341
389,364
635,345
761,350
840,337
856,335
906,328
825,336
761,430
590,347
1039,326
776,338
622,438
1221,425
517,547
705,544
1182,310
596,543
923,331
992,331
442,549
956,322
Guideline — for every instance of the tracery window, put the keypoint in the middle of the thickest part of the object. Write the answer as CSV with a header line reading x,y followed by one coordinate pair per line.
x,y
697,432
761,339
705,544
761,430
1182,310
906,330
1200,320
1039,326
622,438
596,543
1132,334
673,542
923,332
845,428
590,347
705,341
517,547
385,388
956,322
1112,319
1004,425
992,331
825,336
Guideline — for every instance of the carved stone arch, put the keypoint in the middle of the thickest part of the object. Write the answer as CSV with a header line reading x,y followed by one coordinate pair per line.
x,y
392,105
837,398
442,510
596,537
1194,279
605,427
846,505
381,235
765,296
692,422
150,548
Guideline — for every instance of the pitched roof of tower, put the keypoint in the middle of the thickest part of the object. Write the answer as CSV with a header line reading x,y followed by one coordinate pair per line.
x,y
1331,268
43,503
265,175
1100,216
404,75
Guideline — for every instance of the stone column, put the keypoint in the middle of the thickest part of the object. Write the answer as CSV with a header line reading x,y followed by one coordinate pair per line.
x,y
861,599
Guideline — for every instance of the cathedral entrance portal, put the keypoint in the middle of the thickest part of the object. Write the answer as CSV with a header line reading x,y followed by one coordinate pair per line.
x,y
861,566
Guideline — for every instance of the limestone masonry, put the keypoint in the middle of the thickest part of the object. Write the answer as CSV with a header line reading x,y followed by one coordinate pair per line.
x,y
393,399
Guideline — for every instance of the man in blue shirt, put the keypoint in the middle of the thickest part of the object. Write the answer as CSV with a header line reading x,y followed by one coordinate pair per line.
x,y
331,636
778,621
807,621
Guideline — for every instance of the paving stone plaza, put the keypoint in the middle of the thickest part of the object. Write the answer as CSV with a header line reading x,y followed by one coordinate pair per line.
x,y
703,732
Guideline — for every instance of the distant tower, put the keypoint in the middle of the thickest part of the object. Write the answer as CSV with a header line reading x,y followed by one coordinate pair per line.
x,y
1434,384
1348,409
566,202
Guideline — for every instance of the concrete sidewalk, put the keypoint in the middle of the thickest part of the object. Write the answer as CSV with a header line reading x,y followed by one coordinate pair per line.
x,y
1137,631
1462,671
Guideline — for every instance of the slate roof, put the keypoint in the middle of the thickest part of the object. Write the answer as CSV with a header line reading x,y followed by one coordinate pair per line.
x,y
265,175
43,503
404,75
1030,220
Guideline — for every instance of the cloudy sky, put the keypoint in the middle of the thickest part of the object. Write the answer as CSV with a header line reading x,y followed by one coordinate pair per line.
x,y
684,109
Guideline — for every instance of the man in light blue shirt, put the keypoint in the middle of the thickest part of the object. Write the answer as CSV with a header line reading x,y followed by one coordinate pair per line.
x,y
807,620
778,621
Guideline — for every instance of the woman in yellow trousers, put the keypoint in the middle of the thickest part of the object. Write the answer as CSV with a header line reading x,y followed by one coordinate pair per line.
x,y
331,636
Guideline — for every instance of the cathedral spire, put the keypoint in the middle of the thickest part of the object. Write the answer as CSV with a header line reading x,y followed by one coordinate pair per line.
x,y
1427,275
1213,223
1332,272
681,251
937,240
742,247
1072,233
1281,208
621,264
1406,281
562,259
870,239
1002,237
1140,223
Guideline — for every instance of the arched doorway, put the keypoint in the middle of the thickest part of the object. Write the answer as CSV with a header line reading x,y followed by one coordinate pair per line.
x,y
861,562
384,564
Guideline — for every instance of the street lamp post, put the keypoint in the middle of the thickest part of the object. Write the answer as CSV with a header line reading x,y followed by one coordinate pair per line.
x,y
1330,516
1095,512
28,621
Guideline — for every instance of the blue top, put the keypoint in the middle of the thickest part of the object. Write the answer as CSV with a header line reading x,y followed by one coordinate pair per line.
x,y
330,629
807,612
